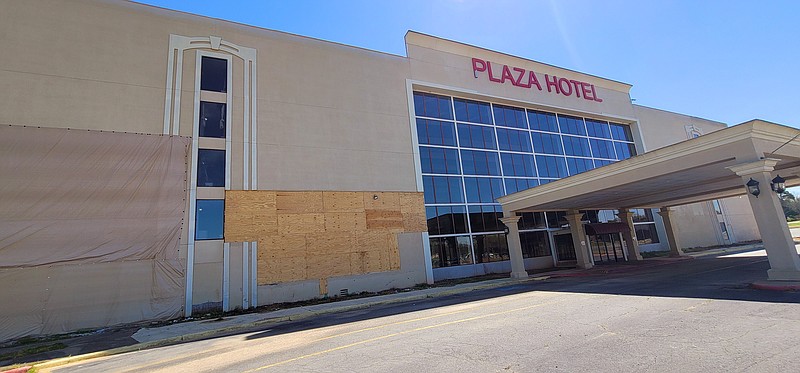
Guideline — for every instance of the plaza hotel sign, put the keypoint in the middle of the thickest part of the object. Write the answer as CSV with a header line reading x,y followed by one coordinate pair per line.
x,y
522,78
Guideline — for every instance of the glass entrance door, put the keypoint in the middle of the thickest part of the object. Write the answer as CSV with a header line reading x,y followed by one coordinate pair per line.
x,y
564,248
607,248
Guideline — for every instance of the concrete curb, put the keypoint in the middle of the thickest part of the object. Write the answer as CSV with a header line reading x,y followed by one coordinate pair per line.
x,y
267,321
776,286
728,250
24,369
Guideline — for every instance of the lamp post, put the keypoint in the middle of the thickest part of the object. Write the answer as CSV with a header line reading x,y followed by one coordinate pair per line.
x,y
752,187
778,184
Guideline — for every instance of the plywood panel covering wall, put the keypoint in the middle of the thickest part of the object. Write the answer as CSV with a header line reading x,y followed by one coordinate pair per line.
x,y
316,235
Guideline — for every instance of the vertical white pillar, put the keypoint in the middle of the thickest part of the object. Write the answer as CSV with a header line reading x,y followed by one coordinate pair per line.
x,y
579,239
514,246
629,235
783,259
674,242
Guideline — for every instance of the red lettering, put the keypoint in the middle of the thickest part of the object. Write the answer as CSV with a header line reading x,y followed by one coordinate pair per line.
x,y
587,93
478,65
506,75
562,86
554,83
533,81
594,94
518,82
577,85
565,91
489,68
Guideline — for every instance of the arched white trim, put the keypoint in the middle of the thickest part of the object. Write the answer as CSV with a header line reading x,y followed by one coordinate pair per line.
x,y
178,45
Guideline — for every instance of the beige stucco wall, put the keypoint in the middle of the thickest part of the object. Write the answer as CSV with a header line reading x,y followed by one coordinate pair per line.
x,y
447,63
697,223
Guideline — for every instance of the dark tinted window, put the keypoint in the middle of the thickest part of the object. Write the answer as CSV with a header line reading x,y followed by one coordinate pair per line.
x,y
597,128
490,248
483,189
443,189
475,162
542,121
514,140
534,244
624,150
515,185
212,119
646,233
439,160
450,251
621,132
518,164
553,167
214,74
471,136
210,168
576,146
509,117
571,125
209,216
436,132
602,148
473,111
434,106
578,165
446,219
546,143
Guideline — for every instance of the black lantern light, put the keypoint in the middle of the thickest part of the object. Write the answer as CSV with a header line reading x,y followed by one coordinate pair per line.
x,y
778,184
752,187
506,230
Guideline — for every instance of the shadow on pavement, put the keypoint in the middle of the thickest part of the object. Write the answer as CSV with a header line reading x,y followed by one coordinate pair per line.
x,y
719,278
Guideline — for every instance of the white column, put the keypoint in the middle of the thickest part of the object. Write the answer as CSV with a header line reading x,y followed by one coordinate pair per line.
x,y
629,235
579,239
672,236
783,259
514,246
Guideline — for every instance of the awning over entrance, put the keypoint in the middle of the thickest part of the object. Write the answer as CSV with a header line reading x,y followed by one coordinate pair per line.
x,y
712,166
596,229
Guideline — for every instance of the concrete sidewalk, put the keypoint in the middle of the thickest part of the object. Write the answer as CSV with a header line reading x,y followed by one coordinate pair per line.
x,y
132,338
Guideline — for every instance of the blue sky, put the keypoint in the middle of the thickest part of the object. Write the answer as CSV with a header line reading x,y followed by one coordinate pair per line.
x,y
730,61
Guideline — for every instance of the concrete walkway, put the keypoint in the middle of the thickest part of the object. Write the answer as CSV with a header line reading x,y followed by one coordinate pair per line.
x,y
134,339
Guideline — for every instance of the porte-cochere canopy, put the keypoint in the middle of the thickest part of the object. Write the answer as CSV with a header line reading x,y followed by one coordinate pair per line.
x,y
713,166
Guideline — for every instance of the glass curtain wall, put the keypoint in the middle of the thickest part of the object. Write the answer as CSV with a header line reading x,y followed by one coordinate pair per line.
x,y
473,152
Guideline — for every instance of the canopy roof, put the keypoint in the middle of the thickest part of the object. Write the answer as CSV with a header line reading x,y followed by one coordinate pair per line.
x,y
690,171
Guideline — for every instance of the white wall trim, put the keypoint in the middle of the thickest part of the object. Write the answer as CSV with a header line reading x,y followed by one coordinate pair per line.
x,y
216,47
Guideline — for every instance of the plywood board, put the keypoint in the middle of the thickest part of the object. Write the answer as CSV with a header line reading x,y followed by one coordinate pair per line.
x,y
345,221
323,266
412,203
382,219
413,222
301,223
282,270
384,201
343,201
329,243
299,202
282,246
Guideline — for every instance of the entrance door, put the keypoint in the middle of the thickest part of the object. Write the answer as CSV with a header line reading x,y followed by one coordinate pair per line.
x,y
607,247
564,248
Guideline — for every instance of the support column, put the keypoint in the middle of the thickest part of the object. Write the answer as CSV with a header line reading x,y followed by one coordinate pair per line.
x,y
629,235
514,246
579,239
675,250
783,259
